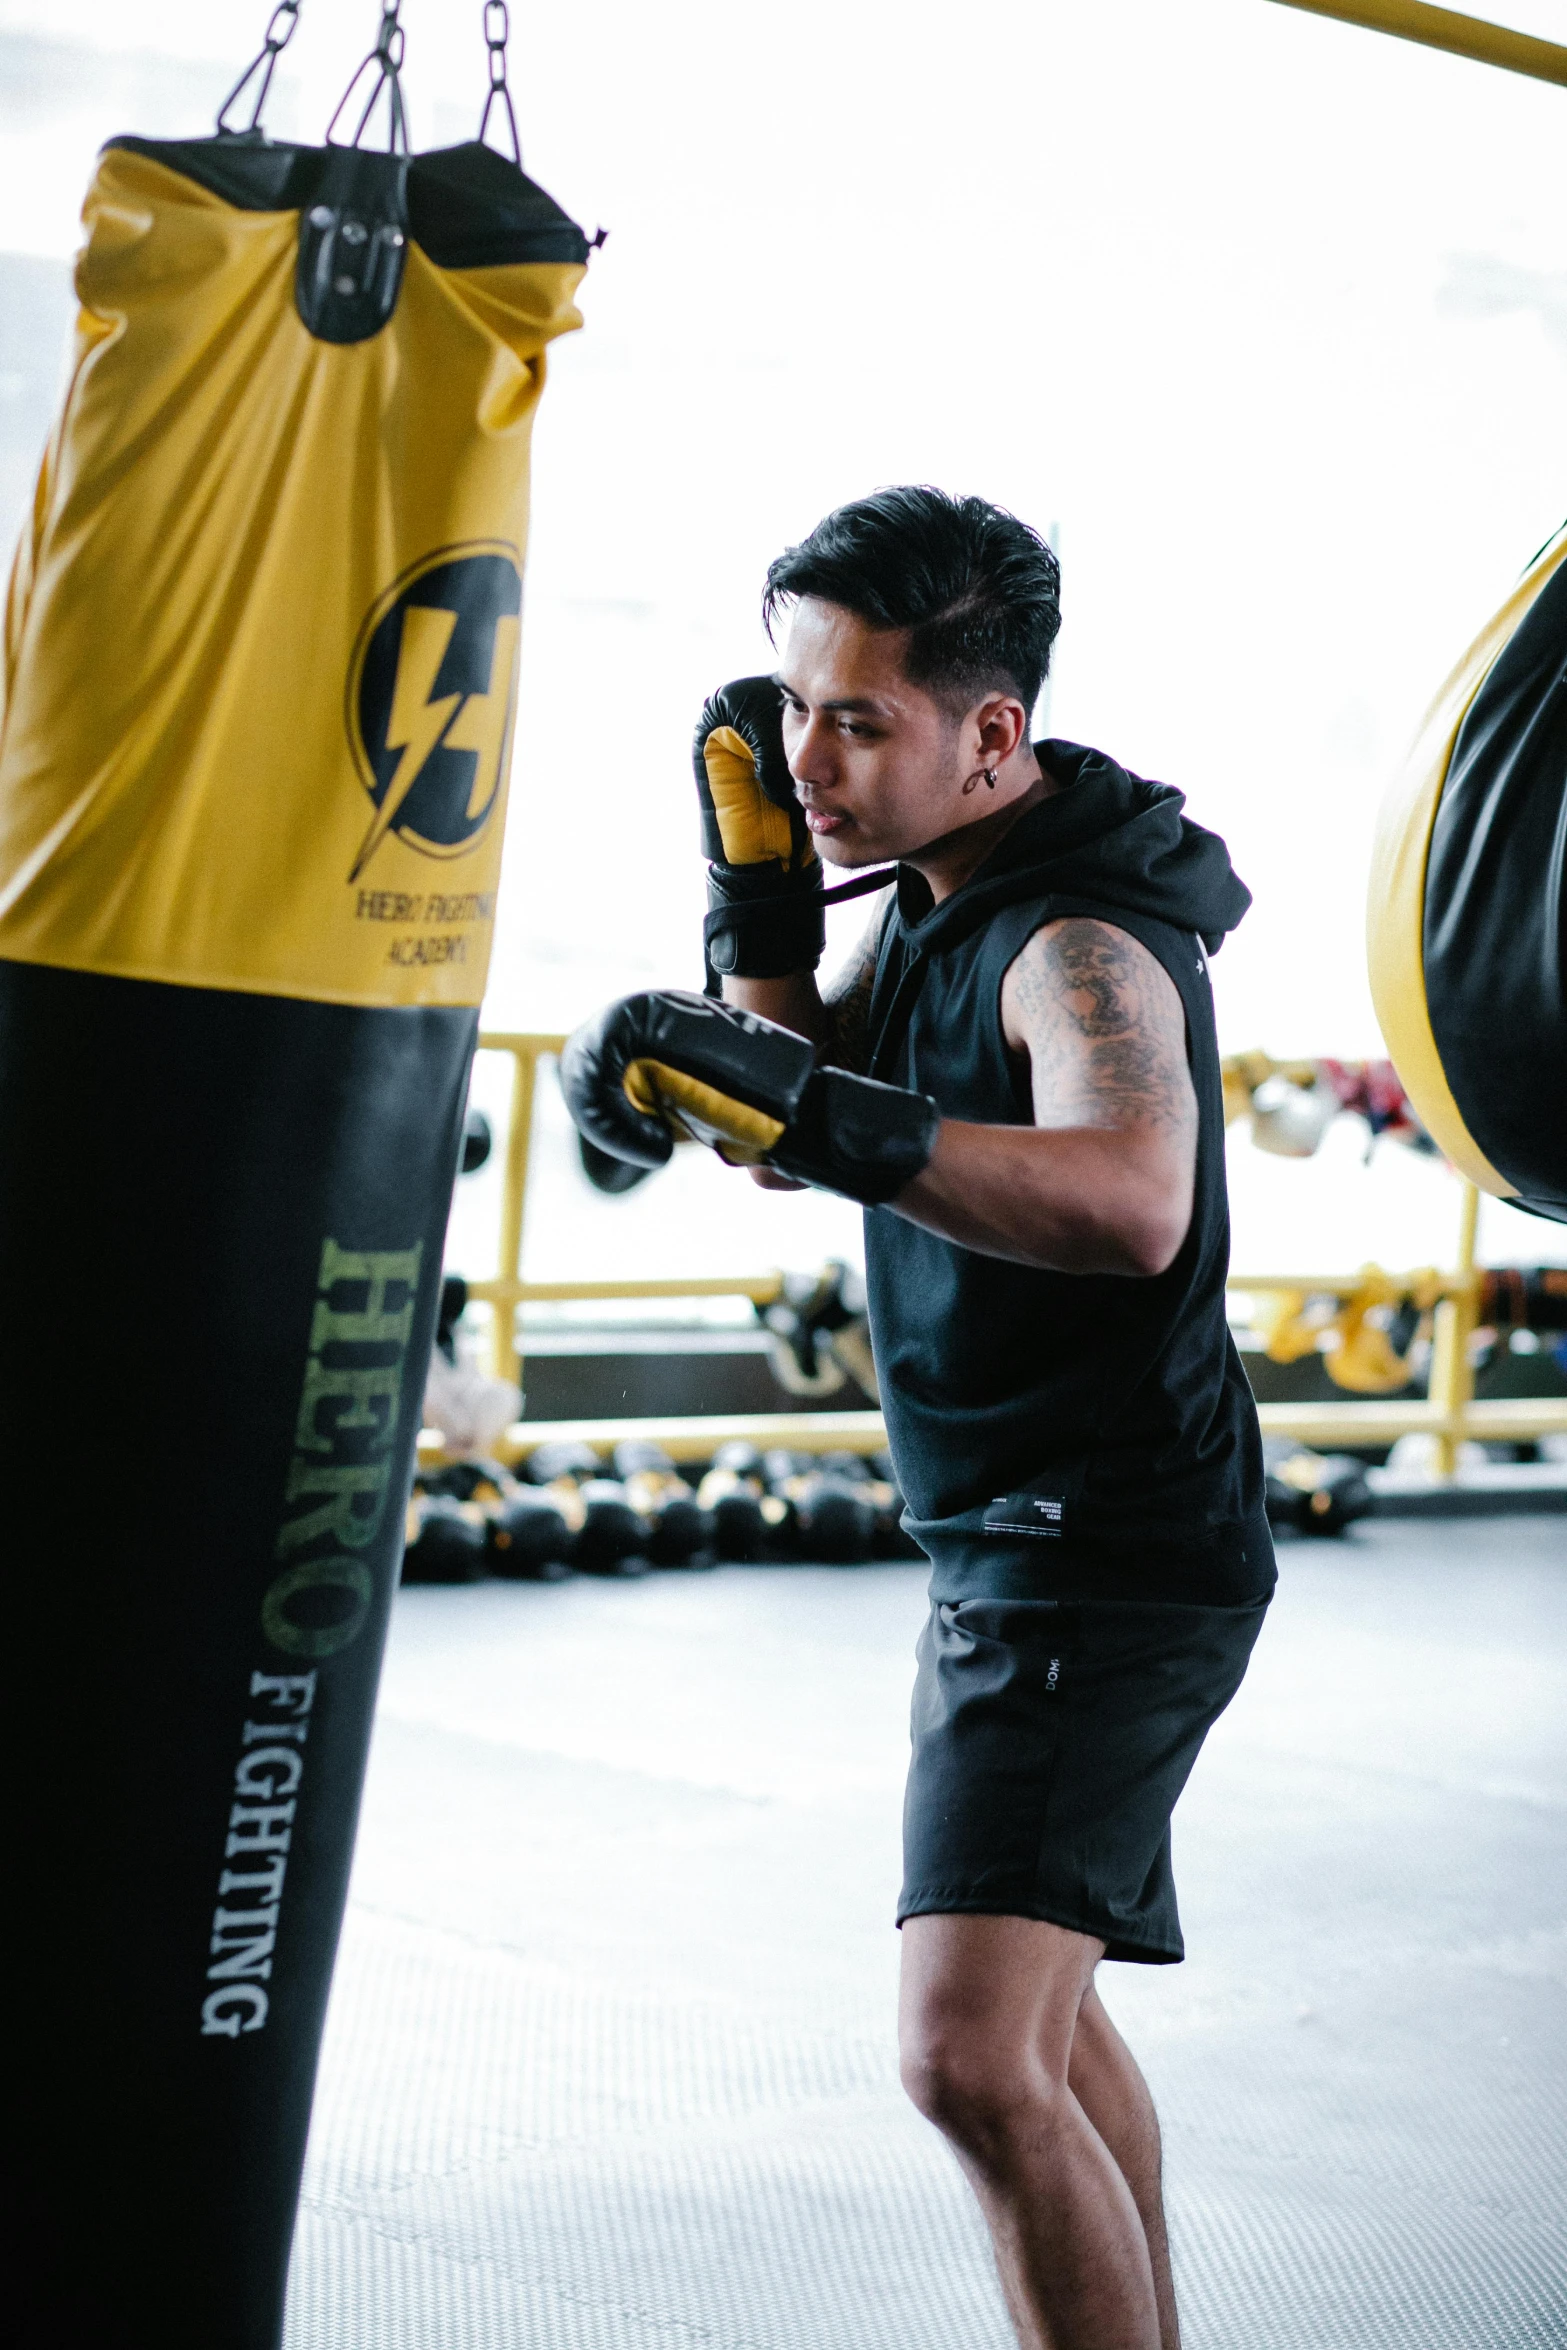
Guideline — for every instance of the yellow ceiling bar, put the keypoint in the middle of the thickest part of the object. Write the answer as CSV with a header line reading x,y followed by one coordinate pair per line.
x,y
1444,28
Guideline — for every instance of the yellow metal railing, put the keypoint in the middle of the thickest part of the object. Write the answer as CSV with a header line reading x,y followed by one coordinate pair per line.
x,y
506,1292
1446,28
1449,1411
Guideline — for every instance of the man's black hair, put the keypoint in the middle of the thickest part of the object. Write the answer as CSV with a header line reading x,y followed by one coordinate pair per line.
x,y
979,590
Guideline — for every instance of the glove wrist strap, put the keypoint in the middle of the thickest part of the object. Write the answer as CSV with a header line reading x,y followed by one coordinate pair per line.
x,y
755,930
857,1137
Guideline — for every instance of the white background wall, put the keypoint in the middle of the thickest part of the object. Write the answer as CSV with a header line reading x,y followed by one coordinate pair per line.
x,y
1268,314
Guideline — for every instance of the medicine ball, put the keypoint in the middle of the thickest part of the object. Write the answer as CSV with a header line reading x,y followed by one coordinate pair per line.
x,y
445,1540
614,1539
530,1537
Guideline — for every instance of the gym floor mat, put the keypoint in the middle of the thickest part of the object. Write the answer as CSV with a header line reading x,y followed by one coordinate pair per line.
x,y
610,2061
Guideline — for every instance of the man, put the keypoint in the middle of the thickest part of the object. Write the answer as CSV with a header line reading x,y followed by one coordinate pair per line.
x,y
1018,1075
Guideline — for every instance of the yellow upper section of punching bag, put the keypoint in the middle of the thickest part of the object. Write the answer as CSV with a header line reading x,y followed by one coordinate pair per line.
x,y
1395,925
231,755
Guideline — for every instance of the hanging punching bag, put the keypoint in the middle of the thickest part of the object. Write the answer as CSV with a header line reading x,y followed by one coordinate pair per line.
x,y
1468,906
260,668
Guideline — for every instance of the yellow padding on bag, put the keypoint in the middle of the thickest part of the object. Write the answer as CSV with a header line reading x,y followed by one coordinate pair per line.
x,y
233,754
749,825
1395,938
700,1112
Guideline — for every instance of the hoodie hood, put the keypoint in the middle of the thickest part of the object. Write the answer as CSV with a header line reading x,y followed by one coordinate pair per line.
x,y
1105,835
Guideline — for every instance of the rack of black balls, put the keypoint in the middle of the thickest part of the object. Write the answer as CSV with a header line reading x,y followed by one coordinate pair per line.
x,y
566,1510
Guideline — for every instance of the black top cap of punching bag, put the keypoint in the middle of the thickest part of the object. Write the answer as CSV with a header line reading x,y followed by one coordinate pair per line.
x,y
466,207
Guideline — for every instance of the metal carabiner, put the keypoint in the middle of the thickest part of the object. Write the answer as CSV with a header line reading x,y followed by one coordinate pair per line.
x,y
497,32
385,62
279,32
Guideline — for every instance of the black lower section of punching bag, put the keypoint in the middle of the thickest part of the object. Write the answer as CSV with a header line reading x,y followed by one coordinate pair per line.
x,y
221,1223
1495,918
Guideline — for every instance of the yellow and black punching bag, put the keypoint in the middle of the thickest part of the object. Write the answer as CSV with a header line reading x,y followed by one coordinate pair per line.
x,y
260,676
1468,907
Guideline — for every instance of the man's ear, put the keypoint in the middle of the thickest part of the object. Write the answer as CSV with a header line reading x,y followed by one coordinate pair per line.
x,y
1001,724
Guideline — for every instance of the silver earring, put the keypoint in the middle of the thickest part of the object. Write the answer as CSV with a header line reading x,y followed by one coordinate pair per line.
x,y
989,774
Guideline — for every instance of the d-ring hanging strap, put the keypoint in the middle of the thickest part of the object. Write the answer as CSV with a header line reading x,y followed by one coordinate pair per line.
x,y
385,62
497,32
280,31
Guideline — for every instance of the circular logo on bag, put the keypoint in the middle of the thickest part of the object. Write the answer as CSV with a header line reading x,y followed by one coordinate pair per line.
x,y
432,697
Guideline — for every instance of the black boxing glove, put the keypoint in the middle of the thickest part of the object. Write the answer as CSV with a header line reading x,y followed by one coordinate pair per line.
x,y
764,884
665,1065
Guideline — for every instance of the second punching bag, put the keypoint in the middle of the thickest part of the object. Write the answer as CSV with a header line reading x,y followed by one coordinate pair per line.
x,y
260,672
1467,930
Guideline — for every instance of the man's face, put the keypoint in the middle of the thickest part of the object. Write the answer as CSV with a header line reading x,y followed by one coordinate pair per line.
x,y
879,767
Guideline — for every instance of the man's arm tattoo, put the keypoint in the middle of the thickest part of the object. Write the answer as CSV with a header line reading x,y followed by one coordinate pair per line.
x,y
1105,1031
848,1002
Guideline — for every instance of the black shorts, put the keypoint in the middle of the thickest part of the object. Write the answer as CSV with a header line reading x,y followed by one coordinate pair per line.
x,y
1051,1740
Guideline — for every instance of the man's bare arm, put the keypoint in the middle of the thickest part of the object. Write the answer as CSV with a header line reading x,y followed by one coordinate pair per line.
x,y
1104,1031
1103,1181
838,1022
848,1005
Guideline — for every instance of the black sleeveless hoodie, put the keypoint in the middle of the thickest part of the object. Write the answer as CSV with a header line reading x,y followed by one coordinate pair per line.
x,y
1064,1434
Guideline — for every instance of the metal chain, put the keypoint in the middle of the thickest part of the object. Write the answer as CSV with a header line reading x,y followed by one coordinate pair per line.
x,y
280,31
497,32
385,62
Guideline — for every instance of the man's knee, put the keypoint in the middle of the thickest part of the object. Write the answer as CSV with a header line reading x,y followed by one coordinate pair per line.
x,y
976,2075
975,2088
986,2024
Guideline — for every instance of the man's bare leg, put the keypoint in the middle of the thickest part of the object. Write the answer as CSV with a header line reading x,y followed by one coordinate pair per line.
x,y
1104,2078
989,2012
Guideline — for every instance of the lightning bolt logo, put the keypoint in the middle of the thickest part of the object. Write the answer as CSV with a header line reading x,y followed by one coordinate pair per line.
x,y
418,720
484,721
432,699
